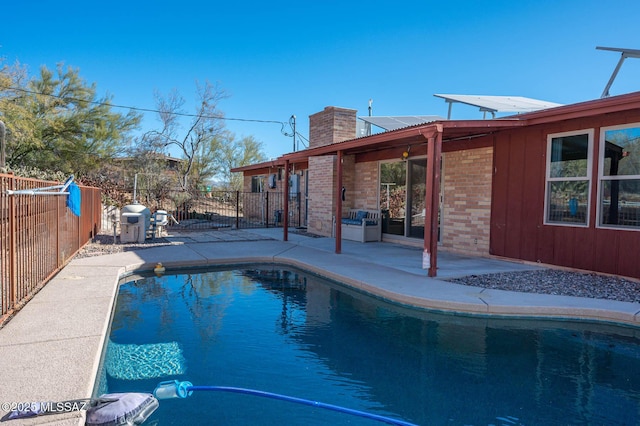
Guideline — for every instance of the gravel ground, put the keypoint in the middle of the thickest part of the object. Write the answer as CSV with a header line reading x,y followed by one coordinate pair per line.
x,y
546,281
558,282
103,244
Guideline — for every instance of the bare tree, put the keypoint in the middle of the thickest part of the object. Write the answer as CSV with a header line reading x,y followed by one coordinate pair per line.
x,y
198,143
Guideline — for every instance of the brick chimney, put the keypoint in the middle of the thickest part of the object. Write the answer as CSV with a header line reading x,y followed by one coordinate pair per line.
x,y
326,127
331,125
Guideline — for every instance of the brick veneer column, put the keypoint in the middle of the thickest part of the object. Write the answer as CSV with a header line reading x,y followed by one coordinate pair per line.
x,y
321,199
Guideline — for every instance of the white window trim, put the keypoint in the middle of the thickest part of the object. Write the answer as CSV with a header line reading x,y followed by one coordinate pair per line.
x,y
588,177
602,177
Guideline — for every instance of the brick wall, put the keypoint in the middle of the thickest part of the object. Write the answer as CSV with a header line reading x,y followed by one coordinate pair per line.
x,y
467,201
246,183
366,185
348,181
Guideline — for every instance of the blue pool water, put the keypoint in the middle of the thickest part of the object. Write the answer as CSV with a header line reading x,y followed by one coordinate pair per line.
x,y
288,332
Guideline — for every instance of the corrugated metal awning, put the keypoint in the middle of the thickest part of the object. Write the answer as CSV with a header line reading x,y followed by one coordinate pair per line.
x,y
399,121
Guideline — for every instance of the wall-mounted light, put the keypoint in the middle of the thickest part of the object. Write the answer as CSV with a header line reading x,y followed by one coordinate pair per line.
x,y
405,154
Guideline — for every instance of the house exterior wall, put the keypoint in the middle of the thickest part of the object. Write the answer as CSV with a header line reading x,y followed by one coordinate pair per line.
x,y
466,201
366,186
246,183
517,220
260,207
348,182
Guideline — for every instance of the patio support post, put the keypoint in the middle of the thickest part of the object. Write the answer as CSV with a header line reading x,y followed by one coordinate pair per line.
x,y
432,203
338,212
285,213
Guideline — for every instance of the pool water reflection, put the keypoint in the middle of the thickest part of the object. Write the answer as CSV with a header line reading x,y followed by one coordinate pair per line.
x,y
289,332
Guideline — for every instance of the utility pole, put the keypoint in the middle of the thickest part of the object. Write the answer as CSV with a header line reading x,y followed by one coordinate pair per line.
x,y
293,124
368,127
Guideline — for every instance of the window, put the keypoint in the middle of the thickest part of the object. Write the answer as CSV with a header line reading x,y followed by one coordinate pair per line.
x,y
619,177
568,178
257,183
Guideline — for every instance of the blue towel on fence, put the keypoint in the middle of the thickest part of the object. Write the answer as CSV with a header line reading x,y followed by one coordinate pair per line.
x,y
74,199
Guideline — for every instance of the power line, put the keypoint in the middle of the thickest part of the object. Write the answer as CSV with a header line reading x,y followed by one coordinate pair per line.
x,y
306,145
180,114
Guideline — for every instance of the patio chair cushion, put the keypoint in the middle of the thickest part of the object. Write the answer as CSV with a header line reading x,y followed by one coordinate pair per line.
x,y
361,215
358,222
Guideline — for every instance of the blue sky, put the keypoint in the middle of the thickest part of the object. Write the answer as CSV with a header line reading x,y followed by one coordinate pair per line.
x,y
281,58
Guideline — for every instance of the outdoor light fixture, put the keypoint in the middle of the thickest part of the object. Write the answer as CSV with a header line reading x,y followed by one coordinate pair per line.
x,y
405,154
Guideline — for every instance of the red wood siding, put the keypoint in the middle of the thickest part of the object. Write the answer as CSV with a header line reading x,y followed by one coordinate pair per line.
x,y
533,193
517,211
499,197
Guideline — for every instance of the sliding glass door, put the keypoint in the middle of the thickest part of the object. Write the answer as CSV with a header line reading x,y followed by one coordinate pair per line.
x,y
402,197
393,198
416,197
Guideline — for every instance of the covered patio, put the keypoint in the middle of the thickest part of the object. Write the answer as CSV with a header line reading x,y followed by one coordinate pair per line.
x,y
430,139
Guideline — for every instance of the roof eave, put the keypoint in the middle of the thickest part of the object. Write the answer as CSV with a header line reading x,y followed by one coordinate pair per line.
x,y
584,109
264,165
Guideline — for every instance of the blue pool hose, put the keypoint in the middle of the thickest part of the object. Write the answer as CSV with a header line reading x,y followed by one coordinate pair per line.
x,y
176,389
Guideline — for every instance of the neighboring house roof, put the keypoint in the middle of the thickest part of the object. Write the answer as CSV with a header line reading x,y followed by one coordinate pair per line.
x,y
157,156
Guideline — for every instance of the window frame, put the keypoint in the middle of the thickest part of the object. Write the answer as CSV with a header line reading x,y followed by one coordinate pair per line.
x,y
588,177
602,177
257,182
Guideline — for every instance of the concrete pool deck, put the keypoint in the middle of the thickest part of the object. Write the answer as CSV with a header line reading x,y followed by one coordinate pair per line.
x,y
50,351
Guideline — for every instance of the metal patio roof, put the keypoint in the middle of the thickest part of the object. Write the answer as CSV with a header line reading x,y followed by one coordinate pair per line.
x,y
399,121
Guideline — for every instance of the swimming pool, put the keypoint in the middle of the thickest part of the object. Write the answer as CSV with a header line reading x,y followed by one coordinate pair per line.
x,y
285,331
